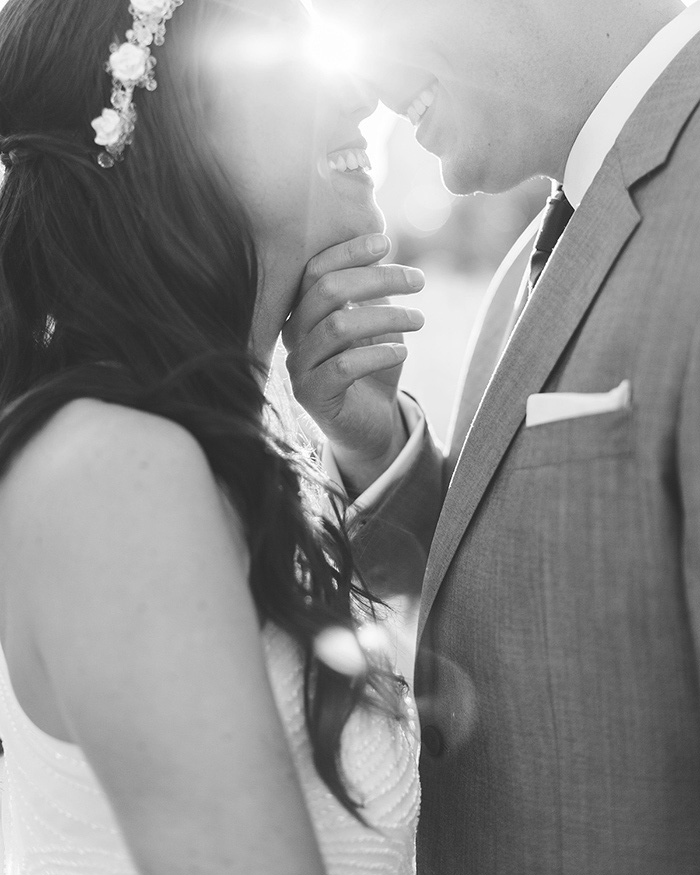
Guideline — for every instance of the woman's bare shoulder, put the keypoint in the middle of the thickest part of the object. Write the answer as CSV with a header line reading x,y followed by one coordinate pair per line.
x,y
88,435
90,443
97,466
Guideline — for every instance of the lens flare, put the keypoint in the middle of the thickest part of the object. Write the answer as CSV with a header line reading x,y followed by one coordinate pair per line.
x,y
332,48
374,638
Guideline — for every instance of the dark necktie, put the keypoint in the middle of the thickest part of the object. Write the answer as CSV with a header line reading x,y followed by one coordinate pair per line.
x,y
556,218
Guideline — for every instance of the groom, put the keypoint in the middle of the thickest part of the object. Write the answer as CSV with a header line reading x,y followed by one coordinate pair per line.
x,y
559,658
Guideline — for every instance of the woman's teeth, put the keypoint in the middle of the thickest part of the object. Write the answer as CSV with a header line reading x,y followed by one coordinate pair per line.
x,y
420,105
346,160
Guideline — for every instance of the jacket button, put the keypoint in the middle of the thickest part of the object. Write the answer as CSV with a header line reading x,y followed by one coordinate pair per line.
x,y
432,740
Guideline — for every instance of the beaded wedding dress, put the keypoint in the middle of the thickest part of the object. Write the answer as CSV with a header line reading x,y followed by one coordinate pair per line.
x,y
56,820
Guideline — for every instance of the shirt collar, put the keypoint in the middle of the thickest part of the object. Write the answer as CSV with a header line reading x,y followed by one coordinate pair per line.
x,y
607,120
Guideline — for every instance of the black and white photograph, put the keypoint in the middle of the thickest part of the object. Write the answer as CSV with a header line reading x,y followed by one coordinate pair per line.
x,y
350,437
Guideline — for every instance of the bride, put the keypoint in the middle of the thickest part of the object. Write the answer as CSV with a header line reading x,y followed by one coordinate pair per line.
x,y
169,588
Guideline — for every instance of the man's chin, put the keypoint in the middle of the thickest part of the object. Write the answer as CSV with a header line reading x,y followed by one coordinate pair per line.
x,y
462,176
457,178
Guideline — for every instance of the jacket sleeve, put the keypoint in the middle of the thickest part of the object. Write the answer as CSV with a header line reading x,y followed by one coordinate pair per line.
x,y
391,541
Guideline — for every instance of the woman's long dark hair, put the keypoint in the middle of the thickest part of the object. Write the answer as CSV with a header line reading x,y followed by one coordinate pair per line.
x,y
136,285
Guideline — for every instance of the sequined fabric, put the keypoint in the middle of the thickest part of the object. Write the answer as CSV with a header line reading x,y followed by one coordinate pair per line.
x,y
380,763
55,817
57,821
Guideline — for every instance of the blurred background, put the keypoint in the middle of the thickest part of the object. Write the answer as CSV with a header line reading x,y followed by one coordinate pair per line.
x,y
458,242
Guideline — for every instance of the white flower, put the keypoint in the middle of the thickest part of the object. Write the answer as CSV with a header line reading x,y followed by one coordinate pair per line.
x,y
143,34
107,127
151,7
129,63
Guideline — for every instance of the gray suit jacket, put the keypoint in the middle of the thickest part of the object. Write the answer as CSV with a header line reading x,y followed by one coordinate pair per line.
x,y
558,670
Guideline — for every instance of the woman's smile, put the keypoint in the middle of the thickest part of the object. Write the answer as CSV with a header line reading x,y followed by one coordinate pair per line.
x,y
350,158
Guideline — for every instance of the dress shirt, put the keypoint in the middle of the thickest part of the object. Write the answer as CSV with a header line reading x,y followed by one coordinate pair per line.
x,y
415,424
590,148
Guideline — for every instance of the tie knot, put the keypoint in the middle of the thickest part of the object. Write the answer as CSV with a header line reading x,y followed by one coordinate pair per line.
x,y
556,218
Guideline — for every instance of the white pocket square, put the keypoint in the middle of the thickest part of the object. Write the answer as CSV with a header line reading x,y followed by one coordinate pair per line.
x,y
554,406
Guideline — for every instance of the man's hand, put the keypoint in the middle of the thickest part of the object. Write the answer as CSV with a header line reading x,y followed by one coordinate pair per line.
x,y
345,353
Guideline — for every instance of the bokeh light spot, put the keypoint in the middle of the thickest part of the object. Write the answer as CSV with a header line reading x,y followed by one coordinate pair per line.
x,y
340,650
374,639
427,208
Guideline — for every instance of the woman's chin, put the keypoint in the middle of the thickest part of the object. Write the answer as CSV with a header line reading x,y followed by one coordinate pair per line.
x,y
378,223
370,221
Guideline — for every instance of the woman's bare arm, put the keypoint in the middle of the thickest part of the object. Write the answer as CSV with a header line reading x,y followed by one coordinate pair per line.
x,y
135,582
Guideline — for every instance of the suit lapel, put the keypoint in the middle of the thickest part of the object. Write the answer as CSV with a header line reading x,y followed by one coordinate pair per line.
x,y
564,293
647,140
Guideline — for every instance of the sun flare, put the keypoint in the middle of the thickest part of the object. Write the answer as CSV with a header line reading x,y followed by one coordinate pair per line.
x,y
332,48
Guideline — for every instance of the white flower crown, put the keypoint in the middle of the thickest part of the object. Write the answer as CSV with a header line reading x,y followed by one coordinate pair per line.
x,y
131,65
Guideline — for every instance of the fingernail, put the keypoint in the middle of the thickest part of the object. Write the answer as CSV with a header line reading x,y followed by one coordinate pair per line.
x,y
414,277
400,351
416,318
378,244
